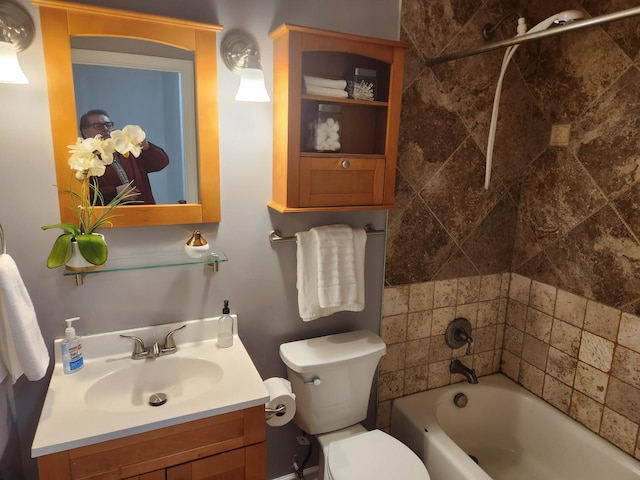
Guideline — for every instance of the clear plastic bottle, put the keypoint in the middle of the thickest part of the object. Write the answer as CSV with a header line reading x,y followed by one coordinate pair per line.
x,y
225,327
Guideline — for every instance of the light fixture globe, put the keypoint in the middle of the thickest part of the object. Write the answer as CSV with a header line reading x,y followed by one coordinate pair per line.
x,y
16,34
240,54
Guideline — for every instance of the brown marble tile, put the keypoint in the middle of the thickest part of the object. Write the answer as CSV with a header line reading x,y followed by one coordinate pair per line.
x,y
624,32
606,141
557,194
414,64
394,359
568,72
432,23
516,315
390,385
455,194
457,265
490,245
431,131
417,246
626,366
600,259
561,366
628,206
535,352
602,320
591,381
531,378
418,352
586,411
513,340
394,329
539,325
619,430
383,415
421,296
416,379
566,337
510,365
624,399
557,393
419,325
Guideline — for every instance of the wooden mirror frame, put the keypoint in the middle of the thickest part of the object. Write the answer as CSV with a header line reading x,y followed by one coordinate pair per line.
x,y
62,20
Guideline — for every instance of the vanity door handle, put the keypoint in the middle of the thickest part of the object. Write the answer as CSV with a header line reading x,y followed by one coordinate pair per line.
x,y
345,164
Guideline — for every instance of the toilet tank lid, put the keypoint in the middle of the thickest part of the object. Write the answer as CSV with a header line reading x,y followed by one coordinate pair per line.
x,y
306,355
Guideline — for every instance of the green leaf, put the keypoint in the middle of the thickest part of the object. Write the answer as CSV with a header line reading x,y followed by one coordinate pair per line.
x,y
93,248
61,251
67,227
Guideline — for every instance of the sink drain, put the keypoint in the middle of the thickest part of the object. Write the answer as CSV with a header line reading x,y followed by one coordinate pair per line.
x,y
157,399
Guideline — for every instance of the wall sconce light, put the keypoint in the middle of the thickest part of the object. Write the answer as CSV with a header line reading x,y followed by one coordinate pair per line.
x,y
240,54
16,34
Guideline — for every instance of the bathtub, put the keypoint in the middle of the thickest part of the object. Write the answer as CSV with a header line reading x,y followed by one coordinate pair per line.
x,y
513,434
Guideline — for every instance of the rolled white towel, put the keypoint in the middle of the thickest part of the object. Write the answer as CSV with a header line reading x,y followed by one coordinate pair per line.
x,y
324,82
325,92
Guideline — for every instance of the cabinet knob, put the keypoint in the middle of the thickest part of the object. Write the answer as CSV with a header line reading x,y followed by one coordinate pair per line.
x,y
345,164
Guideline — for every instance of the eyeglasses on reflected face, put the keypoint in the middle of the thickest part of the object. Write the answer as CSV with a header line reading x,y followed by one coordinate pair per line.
x,y
101,125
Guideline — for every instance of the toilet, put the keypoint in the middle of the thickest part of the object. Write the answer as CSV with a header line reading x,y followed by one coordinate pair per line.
x,y
331,377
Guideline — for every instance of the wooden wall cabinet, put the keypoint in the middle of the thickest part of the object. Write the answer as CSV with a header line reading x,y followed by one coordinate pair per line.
x,y
361,176
230,446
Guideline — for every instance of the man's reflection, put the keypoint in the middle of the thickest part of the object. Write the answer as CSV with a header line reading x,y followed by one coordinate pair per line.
x,y
124,169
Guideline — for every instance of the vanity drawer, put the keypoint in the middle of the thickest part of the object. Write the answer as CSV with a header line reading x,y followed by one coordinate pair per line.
x,y
341,180
139,456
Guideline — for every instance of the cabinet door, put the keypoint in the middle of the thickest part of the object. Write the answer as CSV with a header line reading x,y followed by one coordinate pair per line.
x,y
157,475
340,181
225,466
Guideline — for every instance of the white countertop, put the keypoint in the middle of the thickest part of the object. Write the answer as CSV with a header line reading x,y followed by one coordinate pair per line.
x,y
67,421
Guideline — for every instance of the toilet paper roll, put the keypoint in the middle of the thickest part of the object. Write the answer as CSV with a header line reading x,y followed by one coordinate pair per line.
x,y
280,394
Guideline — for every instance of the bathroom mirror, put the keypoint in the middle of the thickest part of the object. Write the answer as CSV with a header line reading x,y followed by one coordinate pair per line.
x,y
61,22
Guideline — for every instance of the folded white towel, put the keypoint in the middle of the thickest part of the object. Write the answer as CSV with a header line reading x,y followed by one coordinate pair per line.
x,y
22,348
325,92
324,82
308,277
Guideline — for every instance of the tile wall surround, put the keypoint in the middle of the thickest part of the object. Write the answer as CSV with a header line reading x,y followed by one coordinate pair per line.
x,y
564,221
564,216
580,356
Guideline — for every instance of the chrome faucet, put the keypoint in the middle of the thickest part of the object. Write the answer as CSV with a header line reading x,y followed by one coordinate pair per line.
x,y
458,367
140,352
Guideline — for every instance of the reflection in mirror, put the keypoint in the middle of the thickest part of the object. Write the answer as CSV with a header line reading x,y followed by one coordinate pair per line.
x,y
62,24
155,93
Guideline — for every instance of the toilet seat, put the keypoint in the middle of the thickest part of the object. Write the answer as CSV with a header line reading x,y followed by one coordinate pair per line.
x,y
374,455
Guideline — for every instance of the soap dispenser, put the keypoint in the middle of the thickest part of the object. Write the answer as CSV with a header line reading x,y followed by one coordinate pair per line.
x,y
71,347
225,327
196,246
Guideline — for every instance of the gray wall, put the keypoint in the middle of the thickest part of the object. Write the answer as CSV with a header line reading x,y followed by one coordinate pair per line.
x,y
259,279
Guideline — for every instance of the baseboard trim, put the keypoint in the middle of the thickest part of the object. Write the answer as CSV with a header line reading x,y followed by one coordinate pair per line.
x,y
309,474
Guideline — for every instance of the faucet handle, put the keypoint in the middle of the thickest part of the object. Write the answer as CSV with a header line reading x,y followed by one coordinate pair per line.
x,y
139,349
169,343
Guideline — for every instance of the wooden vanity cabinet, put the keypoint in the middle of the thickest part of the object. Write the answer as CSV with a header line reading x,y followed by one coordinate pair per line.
x,y
362,174
230,446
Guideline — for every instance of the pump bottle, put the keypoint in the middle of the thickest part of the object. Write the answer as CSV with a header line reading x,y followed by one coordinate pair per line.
x,y
71,347
225,327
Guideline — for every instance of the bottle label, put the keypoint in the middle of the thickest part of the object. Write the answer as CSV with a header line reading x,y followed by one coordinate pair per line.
x,y
75,357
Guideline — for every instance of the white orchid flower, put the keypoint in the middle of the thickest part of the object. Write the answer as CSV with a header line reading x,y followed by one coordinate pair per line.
x,y
128,140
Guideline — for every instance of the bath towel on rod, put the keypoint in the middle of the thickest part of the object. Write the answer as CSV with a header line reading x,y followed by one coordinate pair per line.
x,y
330,270
22,348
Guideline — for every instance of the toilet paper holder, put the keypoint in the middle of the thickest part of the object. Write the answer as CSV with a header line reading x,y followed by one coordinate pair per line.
x,y
279,411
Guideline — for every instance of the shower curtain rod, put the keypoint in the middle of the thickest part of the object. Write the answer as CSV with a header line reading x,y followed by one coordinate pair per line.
x,y
527,37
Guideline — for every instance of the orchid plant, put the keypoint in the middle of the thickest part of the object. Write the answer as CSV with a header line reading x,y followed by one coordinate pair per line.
x,y
89,159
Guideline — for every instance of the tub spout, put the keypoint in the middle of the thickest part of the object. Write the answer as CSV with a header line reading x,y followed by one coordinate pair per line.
x,y
458,367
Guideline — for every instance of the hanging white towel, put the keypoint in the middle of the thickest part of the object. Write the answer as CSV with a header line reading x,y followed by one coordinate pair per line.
x,y
351,297
22,348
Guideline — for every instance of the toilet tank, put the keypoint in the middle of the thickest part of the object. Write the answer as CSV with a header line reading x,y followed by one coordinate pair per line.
x,y
331,377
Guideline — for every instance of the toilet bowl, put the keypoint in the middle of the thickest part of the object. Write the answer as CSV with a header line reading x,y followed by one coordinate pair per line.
x,y
332,377
370,455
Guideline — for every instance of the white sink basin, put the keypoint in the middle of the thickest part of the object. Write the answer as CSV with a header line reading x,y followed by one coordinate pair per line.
x,y
109,396
131,387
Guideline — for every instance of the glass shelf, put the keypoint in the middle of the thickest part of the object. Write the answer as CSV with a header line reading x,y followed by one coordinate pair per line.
x,y
141,262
